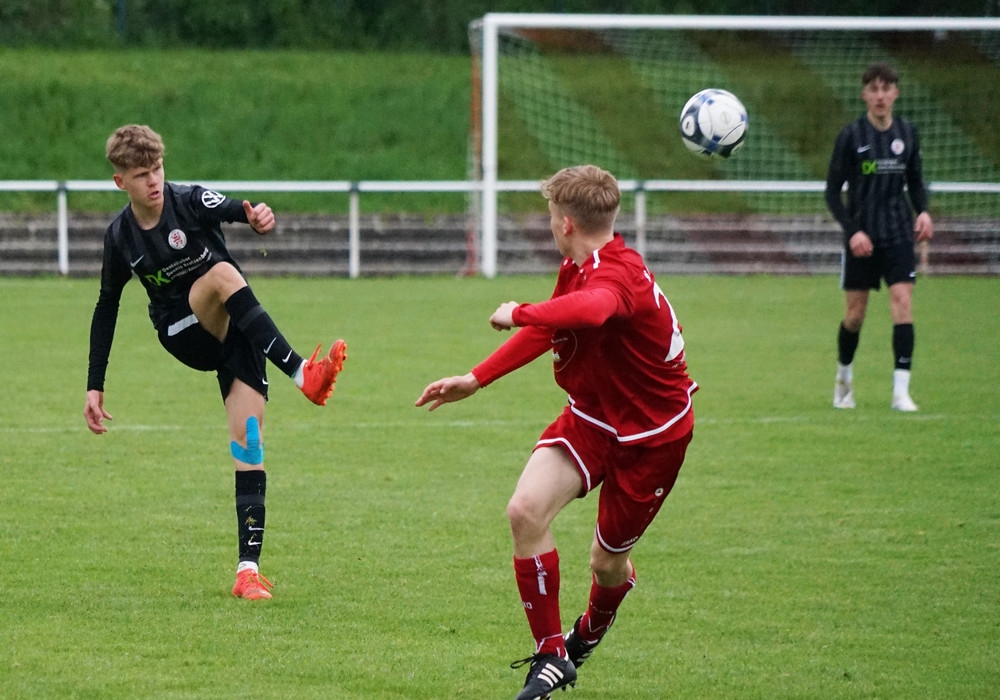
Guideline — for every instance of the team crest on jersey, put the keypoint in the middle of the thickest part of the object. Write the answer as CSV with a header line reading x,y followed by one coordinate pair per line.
x,y
564,345
897,147
212,199
177,239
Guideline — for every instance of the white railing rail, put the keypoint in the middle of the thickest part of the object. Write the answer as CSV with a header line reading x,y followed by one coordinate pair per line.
x,y
488,234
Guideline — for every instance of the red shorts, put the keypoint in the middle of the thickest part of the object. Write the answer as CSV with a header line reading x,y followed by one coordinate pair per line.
x,y
636,479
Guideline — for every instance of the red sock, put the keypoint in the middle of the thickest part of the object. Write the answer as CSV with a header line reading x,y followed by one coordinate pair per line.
x,y
538,583
601,609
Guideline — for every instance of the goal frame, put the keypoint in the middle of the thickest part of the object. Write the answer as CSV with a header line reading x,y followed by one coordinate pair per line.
x,y
492,23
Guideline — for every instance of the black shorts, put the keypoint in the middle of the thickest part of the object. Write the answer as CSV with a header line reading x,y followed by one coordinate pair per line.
x,y
895,263
235,358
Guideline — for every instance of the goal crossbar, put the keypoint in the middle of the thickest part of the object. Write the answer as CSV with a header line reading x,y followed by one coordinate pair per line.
x,y
542,20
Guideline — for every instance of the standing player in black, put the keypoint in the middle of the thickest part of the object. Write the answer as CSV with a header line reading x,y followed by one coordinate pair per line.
x,y
876,156
206,316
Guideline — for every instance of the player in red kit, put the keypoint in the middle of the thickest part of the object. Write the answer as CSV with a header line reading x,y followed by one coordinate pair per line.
x,y
618,352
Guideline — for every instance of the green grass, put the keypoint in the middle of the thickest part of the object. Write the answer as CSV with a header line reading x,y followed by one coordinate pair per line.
x,y
326,115
242,115
805,552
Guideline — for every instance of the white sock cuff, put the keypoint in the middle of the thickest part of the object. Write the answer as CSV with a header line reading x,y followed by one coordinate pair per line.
x,y
901,381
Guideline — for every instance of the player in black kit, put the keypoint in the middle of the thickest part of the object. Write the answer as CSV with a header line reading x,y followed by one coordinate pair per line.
x,y
205,314
876,156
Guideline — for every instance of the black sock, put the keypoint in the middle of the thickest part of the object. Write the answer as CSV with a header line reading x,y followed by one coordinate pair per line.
x,y
902,345
250,317
250,489
847,344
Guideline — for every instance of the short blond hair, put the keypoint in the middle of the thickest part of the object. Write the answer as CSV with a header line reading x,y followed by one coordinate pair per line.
x,y
134,146
587,194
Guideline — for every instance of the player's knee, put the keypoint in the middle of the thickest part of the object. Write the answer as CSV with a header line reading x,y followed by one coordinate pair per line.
x,y
521,513
853,323
224,277
516,511
609,569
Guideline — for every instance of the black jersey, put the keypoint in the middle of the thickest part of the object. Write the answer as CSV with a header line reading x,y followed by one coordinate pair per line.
x,y
167,259
876,165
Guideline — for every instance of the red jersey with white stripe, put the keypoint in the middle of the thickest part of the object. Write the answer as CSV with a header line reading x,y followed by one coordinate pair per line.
x,y
616,344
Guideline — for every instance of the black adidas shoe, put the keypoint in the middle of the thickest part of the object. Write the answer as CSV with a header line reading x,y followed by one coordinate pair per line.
x,y
548,672
578,649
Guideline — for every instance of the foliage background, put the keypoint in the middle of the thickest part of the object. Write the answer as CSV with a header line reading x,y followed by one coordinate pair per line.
x,y
436,25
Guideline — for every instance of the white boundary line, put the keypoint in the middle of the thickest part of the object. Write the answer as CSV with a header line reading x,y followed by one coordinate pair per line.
x,y
433,424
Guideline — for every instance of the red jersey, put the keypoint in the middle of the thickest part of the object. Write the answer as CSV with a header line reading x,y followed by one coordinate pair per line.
x,y
616,344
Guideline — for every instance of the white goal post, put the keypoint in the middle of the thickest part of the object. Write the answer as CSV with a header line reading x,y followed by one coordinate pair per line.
x,y
667,58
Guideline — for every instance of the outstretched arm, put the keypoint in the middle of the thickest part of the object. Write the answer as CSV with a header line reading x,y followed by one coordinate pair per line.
x,y
260,217
520,349
587,308
448,390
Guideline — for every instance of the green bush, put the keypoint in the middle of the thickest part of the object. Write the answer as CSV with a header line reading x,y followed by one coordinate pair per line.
x,y
437,25
57,22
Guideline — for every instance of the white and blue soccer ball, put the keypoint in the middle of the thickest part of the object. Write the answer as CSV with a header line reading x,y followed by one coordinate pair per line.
x,y
714,123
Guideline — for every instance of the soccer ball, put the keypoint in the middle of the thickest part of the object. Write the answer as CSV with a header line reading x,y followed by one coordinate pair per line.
x,y
714,123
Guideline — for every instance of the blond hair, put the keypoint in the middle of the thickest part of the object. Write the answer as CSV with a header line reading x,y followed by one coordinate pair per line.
x,y
587,194
134,146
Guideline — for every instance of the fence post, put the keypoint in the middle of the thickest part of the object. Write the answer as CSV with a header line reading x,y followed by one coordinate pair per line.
x,y
62,227
354,232
490,233
640,218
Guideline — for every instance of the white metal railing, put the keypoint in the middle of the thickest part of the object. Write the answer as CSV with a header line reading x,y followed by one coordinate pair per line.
x,y
488,235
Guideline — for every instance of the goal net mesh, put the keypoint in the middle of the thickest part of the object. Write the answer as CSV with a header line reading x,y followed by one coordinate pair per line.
x,y
612,96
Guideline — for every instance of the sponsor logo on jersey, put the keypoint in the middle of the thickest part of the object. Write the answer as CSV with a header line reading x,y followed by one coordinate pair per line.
x,y
158,279
177,239
212,199
883,166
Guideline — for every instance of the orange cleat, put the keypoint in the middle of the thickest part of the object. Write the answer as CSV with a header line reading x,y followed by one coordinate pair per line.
x,y
252,586
320,375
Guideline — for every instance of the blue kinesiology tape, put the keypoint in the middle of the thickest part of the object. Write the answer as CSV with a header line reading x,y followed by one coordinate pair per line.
x,y
253,453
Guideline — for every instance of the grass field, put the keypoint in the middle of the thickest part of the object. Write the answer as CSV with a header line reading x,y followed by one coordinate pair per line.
x,y
333,115
805,552
290,115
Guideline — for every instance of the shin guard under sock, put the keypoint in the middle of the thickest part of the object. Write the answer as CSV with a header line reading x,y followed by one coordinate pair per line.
x,y
250,317
902,345
602,608
251,487
847,345
538,583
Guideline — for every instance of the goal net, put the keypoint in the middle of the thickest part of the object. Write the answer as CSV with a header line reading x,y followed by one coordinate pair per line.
x,y
558,90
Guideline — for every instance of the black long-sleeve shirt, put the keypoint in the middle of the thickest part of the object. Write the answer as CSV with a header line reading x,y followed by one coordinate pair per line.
x,y
876,165
167,260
